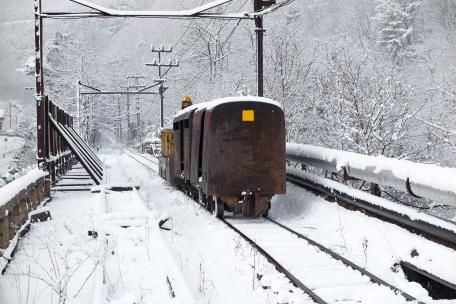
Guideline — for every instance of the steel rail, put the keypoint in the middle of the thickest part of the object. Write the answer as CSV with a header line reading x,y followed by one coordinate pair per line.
x,y
434,233
349,263
295,281
148,159
274,262
279,266
147,167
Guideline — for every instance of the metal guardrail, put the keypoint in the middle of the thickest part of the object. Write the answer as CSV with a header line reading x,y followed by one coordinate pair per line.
x,y
420,180
62,145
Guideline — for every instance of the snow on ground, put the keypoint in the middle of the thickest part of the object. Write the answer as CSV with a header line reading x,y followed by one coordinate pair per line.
x,y
8,145
368,242
58,259
217,264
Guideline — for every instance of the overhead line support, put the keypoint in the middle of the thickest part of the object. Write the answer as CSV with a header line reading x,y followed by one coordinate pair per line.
x,y
161,89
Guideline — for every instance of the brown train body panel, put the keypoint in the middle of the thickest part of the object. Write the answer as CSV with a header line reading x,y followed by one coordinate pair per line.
x,y
224,154
244,155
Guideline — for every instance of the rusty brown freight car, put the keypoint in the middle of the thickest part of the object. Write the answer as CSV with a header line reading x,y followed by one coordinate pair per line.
x,y
230,153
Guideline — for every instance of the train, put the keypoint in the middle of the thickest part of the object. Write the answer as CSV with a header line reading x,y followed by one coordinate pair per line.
x,y
228,153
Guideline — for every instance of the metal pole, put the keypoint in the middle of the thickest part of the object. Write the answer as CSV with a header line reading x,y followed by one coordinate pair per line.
x,y
40,127
259,35
78,106
160,90
10,115
138,114
159,64
120,119
128,117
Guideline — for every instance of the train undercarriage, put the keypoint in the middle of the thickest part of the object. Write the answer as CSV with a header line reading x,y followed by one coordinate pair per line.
x,y
248,204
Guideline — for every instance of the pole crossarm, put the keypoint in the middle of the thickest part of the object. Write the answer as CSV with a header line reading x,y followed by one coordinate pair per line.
x,y
170,64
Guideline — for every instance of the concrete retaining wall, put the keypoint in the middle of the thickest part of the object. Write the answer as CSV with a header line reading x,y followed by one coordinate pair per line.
x,y
22,198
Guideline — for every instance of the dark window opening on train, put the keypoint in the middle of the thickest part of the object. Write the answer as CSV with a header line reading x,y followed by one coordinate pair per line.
x,y
186,123
200,154
181,145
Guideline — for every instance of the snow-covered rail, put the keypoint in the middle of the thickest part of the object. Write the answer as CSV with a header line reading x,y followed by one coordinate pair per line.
x,y
326,278
148,162
424,180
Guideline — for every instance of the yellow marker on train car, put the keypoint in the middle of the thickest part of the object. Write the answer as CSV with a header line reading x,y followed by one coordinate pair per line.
x,y
248,115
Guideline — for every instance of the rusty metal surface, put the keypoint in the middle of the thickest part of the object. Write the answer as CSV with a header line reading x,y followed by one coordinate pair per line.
x,y
244,155
233,151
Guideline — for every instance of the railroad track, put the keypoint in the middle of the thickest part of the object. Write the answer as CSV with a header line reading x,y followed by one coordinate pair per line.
x,y
143,160
438,233
320,272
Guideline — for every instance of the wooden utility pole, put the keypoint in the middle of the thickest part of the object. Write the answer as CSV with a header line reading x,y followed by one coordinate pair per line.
x,y
161,74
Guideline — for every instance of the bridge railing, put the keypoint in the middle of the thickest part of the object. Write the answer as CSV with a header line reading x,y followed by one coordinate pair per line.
x,y
420,180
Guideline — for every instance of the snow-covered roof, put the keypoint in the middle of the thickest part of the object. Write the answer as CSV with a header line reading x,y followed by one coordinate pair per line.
x,y
212,104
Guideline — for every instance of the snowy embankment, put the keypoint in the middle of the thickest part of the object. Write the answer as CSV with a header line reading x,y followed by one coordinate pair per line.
x,y
369,242
424,180
18,200
9,191
383,204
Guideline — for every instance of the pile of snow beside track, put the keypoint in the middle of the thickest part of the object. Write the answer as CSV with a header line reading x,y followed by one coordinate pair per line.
x,y
369,242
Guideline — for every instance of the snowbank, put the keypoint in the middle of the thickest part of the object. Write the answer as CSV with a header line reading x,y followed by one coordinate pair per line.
x,y
10,190
424,180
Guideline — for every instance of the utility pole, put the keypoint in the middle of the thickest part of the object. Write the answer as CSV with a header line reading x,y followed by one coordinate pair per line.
x,y
161,74
10,116
41,152
137,87
119,124
128,117
258,5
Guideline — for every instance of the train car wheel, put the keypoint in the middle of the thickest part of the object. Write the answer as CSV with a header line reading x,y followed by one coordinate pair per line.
x,y
219,208
265,213
203,200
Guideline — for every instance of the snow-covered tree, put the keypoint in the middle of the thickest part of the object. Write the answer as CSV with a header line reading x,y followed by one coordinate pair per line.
x,y
364,108
395,22
286,73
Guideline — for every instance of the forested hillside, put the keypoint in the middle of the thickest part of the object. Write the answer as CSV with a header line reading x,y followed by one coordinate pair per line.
x,y
375,77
